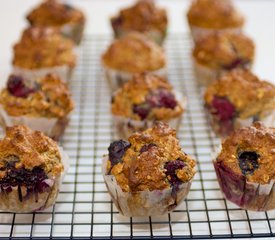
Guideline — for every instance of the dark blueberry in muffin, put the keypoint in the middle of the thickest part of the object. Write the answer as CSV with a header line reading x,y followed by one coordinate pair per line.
x,y
147,147
17,87
248,161
117,150
171,168
142,110
223,108
162,98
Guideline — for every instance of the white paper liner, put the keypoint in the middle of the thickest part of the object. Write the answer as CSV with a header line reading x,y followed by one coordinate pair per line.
x,y
64,72
125,127
144,203
245,194
52,127
198,33
117,78
10,201
73,31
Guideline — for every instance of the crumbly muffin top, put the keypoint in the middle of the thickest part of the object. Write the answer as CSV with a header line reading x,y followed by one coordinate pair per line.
x,y
224,50
42,47
214,14
146,96
54,13
134,53
47,97
245,91
250,152
151,160
142,17
29,149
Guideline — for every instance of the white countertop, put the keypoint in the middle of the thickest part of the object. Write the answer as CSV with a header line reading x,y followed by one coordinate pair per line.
x,y
260,22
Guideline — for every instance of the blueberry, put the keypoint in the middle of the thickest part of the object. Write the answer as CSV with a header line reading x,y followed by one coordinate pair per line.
x,y
142,110
146,147
223,108
117,150
17,87
248,162
171,168
162,98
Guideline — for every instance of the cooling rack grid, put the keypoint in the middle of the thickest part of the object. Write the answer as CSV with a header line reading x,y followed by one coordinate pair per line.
x,y
84,210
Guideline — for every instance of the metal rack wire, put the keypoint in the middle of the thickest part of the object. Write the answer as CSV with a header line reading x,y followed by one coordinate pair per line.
x,y
84,209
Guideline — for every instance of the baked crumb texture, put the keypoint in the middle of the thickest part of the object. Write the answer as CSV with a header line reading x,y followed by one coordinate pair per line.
x,y
149,174
67,18
43,47
238,98
30,170
245,167
144,17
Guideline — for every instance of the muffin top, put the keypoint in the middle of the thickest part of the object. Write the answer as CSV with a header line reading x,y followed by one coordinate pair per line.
x,y
46,97
250,152
151,160
244,91
28,151
43,47
146,96
224,50
214,14
144,16
54,13
134,53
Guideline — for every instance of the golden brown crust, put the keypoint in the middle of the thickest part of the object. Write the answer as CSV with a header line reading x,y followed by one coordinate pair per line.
x,y
215,14
258,139
32,148
51,100
42,48
145,171
53,13
134,92
134,53
221,49
245,91
144,16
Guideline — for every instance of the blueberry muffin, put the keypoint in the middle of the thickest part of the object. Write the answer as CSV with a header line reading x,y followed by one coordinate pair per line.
x,y
44,104
53,13
149,174
208,16
141,101
133,53
43,50
221,52
238,99
31,168
144,17
245,168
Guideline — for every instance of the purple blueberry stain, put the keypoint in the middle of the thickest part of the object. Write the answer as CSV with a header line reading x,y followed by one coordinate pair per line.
x,y
171,167
117,150
18,88
142,110
238,62
248,162
223,108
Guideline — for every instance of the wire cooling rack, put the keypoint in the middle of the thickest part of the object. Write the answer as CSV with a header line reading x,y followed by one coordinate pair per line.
x,y
84,208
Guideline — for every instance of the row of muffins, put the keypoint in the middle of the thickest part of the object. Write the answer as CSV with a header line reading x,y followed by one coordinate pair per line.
x,y
37,99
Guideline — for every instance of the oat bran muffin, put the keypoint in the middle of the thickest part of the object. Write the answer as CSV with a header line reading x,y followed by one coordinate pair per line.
x,y
149,174
53,13
43,105
31,168
43,50
238,99
141,101
221,52
208,16
133,53
144,17
245,168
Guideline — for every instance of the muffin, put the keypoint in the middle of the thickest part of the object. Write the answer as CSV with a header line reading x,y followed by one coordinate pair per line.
x,y
149,174
43,105
52,13
144,17
220,52
208,16
245,168
141,101
41,51
132,54
238,99
31,170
